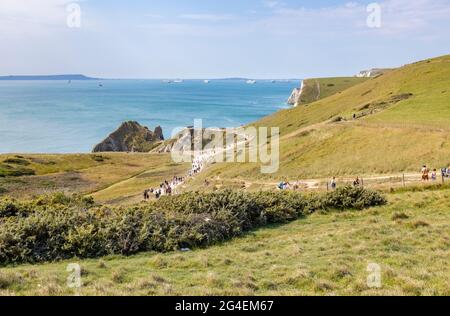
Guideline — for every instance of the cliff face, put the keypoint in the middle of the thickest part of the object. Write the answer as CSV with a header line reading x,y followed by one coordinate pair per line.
x,y
130,137
372,72
296,95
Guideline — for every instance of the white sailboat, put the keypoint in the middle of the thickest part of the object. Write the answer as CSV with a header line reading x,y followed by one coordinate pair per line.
x,y
251,81
206,81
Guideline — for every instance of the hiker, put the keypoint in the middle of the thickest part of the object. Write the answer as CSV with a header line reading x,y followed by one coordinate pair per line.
x,y
425,172
146,197
356,182
333,183
433,175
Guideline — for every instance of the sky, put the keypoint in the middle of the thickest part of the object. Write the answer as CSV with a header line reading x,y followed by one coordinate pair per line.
x,y
217,38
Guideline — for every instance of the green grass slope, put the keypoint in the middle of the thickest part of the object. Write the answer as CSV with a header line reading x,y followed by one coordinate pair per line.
x,y
322,254
428,81
402,121
320,88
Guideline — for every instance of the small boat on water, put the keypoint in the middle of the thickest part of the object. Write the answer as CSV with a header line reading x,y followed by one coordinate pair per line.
x,y
206,81
251,81
178,81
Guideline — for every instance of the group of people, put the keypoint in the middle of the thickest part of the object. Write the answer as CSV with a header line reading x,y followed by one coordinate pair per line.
x,y
284,185
165,188
169,187
197,165
445,172
356,183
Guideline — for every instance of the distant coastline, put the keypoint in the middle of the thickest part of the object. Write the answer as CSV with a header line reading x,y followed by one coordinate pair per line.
x,y
83,77
49,77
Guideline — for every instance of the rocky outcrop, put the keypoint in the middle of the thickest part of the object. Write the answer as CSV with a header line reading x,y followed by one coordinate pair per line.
x,y
190,139
131,137
186,140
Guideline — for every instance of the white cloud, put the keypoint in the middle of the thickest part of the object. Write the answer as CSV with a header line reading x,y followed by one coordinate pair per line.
x,y
271,3
399,17
27,17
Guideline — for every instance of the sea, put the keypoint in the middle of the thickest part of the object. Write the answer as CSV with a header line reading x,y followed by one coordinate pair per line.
x,y
71,117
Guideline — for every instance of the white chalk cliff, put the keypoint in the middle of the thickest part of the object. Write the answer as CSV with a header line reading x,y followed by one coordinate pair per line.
x,y
296,95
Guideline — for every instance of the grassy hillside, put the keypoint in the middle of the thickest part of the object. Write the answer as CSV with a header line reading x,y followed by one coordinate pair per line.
x,y
320,88
322,254
386,125
83,173
130,190
393,123
427,81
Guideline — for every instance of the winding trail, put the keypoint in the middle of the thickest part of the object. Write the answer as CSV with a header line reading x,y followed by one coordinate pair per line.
x,y
315,184
318,89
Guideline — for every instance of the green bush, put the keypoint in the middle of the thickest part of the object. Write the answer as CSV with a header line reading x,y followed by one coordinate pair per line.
x,y
15,171
352,197
54,227
18,160
12,208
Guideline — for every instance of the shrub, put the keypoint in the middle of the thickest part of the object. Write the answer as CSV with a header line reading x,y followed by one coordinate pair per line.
x,y
14,171
98,158
17,161
10,208
8,279
54,227
352,197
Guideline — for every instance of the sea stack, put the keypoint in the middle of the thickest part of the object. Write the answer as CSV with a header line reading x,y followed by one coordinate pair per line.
x,y
131,137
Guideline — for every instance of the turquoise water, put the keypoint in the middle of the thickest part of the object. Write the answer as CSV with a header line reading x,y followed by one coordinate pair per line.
x,y
58,117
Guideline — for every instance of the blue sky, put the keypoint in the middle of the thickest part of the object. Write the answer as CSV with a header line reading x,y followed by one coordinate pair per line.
x,y
217,38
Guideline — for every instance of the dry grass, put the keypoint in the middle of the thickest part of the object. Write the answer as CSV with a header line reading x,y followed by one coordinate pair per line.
x,y
108,175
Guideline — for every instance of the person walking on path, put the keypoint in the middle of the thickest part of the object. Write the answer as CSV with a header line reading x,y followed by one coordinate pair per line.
x,y
434,175
425,173
333,183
